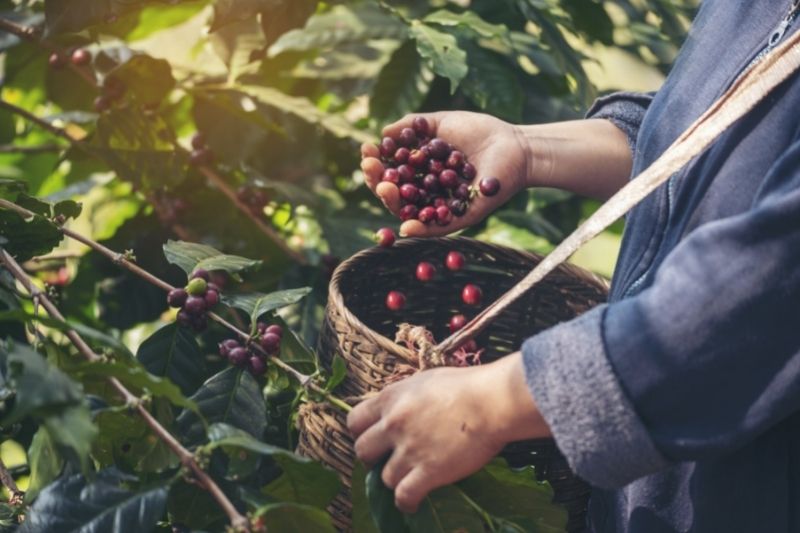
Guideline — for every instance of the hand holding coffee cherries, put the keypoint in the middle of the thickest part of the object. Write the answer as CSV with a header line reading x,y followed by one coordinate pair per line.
x,y
442,172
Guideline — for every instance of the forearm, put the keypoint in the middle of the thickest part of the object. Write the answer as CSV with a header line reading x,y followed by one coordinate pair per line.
x,y
588,157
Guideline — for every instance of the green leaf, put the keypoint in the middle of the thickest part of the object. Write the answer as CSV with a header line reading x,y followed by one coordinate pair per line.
x,y
339,372
26,238
222,435
362,519
386,515
173,353
107,503
468,20
257,304
284,16
194,507
342,25
67,16
230,11
402,85
134,376
148,78
293,518
303,481
446,57
446,510
74,432
232,396
191,256
492,84
297,107
45,462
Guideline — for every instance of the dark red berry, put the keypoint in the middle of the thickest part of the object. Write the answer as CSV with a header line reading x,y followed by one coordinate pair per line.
x,y
457,323
212,298
401,156
472,294
271,343
435,167
218,280
456,160
425,271
388,147
81,57
418,159
455,261
424,198
201,273
177,297
407,137
226,346
198,141
427,214
457,207
409,192
448,179
421,126
184,319
199,323
102,104
490,186
443,215
469,172
56,60
195,305
431,183
213,287
391,175
409,212
406,173
257,366
395,300
385,237
439,202
238,356
275,329
261,327
439,149
462,192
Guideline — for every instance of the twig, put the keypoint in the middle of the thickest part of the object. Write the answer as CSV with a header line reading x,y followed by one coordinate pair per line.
x,y
120,260
237,520
15,495
38,149
265,228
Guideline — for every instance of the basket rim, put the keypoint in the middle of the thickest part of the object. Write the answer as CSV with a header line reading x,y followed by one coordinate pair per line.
x,y
336,298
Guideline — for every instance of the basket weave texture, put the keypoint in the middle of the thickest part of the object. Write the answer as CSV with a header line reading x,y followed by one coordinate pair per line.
x,y
359,328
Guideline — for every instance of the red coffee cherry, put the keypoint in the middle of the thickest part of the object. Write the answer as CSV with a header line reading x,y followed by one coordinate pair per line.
x,y
425,271
471,294
385,237
455,261
457,323
395,300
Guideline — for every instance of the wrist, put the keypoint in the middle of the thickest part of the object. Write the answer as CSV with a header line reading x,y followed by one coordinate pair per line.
x,y
513,412
539,156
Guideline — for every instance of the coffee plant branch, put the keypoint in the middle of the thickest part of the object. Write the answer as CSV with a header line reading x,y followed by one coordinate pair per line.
x,y
36,149
32,35
15,495
237,520
122,261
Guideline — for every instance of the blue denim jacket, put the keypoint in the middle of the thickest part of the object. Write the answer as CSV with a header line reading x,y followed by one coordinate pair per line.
x,y
679,400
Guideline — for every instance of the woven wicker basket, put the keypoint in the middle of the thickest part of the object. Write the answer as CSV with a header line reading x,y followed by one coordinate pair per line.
x,y
359,328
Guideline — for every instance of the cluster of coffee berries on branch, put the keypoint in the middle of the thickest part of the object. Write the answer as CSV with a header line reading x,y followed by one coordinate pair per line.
x,y
434,178
255,198
201,154
195,300
112,90
79,57
243,356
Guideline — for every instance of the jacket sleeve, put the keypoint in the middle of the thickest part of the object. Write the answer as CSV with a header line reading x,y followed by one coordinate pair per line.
x,y
700,363
625,110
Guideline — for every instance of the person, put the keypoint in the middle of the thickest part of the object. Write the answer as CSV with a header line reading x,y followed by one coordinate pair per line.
x,y
679,399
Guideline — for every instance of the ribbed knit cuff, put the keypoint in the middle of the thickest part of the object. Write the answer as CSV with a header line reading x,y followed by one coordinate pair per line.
x,y
625,110
593,422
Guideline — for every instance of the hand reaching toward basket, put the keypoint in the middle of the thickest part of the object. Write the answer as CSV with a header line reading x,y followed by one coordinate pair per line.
x,y
495,148
442,425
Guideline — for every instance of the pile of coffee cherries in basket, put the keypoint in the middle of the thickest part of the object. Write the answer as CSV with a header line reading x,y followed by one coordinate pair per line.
x,y
244,356
434,178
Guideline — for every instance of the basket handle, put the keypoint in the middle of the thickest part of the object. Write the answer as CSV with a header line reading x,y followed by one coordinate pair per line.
x,y
746,92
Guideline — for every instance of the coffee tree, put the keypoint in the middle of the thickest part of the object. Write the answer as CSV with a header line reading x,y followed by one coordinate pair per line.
x,y
178,181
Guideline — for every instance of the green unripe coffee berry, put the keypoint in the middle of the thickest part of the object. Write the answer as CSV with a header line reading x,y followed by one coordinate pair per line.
x,y
197,287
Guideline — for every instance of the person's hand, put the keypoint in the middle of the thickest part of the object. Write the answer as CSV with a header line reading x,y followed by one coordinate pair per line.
x,y
444,424
493,146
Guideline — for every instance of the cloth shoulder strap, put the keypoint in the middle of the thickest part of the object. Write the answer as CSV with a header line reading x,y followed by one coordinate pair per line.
x,y
748,90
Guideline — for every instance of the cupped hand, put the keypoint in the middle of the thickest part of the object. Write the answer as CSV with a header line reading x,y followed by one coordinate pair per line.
x,y
494,147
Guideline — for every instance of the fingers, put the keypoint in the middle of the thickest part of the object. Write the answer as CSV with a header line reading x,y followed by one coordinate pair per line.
x,y
395,470
373,171
389,195
370,150
363,416
373,444
412,490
